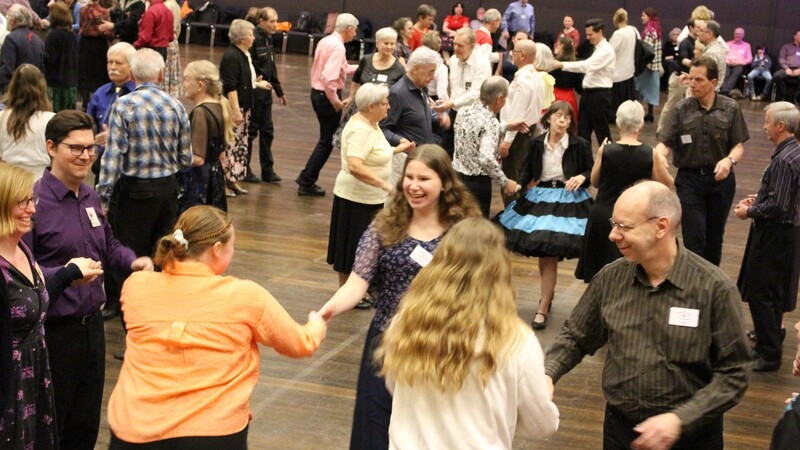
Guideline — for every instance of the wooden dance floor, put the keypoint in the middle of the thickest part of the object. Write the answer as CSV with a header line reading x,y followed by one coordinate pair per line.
x,y
282,242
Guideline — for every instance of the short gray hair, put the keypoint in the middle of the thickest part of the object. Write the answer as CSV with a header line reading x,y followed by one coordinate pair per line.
x,y
423,56
468,33
494,87
20,15
384,34
492,15
370,94
713,27
146,65
664,202
345,21
784,112
544,58
630,117
123,48
239,29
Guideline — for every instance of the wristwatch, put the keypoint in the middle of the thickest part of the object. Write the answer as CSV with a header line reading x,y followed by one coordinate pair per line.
x,y
733,161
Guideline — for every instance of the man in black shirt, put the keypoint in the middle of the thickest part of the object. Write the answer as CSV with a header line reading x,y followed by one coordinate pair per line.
x,y
263,56
676,91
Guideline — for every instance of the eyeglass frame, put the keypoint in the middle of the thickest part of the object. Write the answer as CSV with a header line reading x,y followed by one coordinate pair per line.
x,y
90,150
623,227
25,202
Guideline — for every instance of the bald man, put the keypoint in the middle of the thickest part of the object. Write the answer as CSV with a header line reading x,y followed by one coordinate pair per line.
x,y
525,101
677,357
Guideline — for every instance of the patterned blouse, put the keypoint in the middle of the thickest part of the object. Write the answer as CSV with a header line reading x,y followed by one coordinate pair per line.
x,y
477,133
388,270
92,15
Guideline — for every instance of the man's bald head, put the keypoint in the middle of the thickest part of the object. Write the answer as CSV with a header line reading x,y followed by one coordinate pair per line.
x,y
528,47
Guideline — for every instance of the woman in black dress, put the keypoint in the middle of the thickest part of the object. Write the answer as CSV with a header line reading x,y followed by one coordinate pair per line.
x,y
212,130
92,50
617,166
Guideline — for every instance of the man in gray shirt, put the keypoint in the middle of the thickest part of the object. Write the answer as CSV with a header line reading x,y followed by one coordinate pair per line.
x,y
677,357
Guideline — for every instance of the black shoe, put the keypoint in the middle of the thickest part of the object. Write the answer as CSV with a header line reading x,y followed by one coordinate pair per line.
x,y
649,118
763,365
110,313
310,191
119,356
271,178
251,178
751,334
364,304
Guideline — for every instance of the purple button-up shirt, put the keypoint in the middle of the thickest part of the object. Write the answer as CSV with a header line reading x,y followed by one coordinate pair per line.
x,y
63,230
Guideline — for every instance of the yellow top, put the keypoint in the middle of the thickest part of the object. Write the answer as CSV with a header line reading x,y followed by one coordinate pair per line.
x,y
192,361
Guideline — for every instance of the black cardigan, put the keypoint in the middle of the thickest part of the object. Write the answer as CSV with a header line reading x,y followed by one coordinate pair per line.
x,y
234,71
577,160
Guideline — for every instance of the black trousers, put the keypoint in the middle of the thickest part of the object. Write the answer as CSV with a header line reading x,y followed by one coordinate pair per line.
x,y
618,434
765,282
373,407
261,126
328,119
140,212
448,138
779,78
595,107
705,203
480,186
77,365
236,441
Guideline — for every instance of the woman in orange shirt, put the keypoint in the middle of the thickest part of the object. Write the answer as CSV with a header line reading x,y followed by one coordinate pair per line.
x,y
192,358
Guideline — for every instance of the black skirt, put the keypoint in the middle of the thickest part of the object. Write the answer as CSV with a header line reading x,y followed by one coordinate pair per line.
x,y
349,220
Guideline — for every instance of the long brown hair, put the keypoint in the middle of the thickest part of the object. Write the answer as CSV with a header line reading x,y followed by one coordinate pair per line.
x,y
455,201
26,95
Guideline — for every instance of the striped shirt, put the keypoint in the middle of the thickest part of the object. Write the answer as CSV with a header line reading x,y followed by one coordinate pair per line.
x,y
652,367
149,136
777,198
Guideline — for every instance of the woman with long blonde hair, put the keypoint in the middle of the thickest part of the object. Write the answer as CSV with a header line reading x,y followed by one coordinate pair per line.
x,y
464,370
212,131
430,199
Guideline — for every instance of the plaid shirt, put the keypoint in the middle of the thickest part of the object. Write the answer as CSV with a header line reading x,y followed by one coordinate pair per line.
x,y
149,136
652,38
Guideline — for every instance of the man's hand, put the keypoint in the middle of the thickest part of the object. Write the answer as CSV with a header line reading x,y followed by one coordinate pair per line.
x,y
740,210
503,148
443,105
90,269
723,169
102,137
105,27
143,263
517,125
283,100
658,432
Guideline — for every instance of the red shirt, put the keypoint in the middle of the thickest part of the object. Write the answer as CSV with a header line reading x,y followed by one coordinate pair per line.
x,y
156,28
482,37
456,23
416,38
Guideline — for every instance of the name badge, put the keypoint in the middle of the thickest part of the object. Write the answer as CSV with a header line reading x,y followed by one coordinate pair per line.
x,y
686,139
523,17
684,317
796,53
381,78
93,219
468,84
421,256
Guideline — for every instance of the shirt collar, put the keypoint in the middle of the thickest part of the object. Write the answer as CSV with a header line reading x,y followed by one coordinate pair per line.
x,y
148,84
190,268
678,275
784,145
59,189
563,143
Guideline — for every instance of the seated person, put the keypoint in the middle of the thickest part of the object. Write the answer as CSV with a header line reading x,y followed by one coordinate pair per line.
x,y
739,55
790,66
759,68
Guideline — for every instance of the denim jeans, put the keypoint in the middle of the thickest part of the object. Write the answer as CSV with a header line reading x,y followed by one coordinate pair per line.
x,y
751,78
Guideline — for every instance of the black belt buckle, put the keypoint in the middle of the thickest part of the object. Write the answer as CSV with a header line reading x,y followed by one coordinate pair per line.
x,y
706,170
88,318
554,183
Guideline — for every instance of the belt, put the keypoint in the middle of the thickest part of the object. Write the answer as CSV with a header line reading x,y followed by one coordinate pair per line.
x,y
136,180
73,320
551,184
705,170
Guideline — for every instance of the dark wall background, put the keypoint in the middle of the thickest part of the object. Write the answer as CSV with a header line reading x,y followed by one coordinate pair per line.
x,y
766,21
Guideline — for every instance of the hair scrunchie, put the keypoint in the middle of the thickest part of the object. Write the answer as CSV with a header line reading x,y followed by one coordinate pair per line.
x,y
178,235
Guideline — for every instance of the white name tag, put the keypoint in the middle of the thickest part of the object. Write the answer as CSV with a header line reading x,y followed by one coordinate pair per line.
x,y
684,317
523,17
381,78
421,256
93,219
686,139
796,53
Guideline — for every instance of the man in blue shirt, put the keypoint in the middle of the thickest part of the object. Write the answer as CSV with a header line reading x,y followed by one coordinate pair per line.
x,y
70,223
519,16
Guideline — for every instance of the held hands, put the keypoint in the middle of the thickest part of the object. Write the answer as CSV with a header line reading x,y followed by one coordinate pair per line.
x,y
316,319
511,188
722,169
518,125
658,432
346,103
575,182
90,269
142,263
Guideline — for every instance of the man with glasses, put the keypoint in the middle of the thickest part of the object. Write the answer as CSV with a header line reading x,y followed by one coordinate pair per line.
x,y
70,223
677,357
716,49
707,132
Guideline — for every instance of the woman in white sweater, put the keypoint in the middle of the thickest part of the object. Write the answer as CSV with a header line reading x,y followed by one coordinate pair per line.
x,y
624,43
464,370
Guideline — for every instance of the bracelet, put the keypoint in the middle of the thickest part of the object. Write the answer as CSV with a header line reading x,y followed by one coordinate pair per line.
x,y
733,161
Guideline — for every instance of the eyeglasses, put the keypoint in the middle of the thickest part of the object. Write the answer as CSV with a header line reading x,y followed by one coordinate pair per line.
x,y
77,150
623,227
25,202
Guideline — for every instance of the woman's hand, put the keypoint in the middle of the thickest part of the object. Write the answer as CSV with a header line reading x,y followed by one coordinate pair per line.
x,y
237,117
575,182
405,146
90,269
317,320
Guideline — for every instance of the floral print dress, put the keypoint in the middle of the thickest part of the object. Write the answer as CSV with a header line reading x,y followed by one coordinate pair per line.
x,y
28,420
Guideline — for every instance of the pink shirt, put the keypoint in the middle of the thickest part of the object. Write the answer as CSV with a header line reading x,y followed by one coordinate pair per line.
x,y
330,68
739,54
